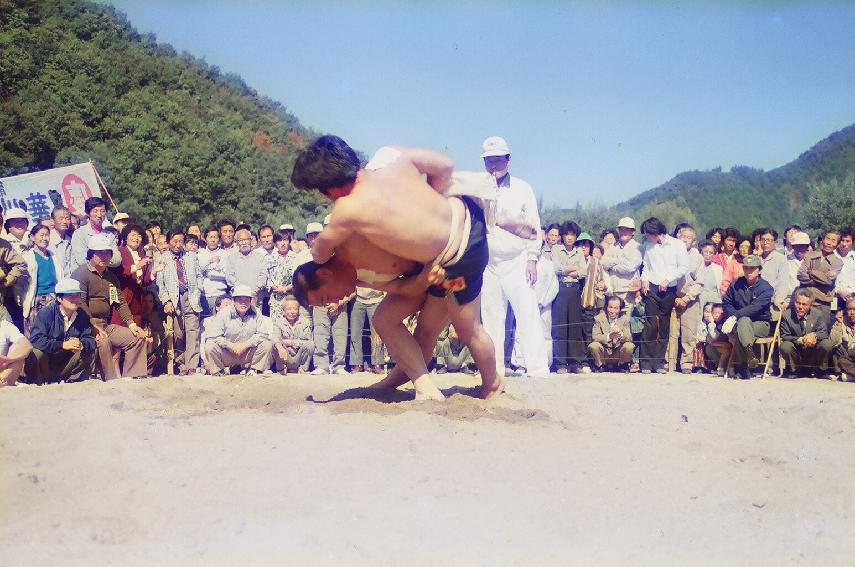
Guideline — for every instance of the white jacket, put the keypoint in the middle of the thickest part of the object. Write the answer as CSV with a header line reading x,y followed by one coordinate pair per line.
x,y
33,269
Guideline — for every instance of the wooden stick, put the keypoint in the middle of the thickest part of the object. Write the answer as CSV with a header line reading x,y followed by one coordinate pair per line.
x,y
103,186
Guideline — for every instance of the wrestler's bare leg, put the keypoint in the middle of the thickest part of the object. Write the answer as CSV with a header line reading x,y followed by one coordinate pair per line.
x,y
433,318
467,322
402,346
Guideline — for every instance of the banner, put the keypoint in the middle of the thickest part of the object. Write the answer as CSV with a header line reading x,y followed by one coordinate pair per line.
x,y
38,193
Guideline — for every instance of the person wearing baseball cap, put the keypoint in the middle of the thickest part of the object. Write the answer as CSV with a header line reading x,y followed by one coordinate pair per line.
x,y
102,297
746,312
61,335
622,260
511,272
121,220
239,336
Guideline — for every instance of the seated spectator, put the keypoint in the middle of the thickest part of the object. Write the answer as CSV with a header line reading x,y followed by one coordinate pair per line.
x,y
699,359
747,316
63,347
733,270
222,302
45,270
452,355
843,339
100,288
292,339
240,336
805,341
718,345
818,272
14,349
612,344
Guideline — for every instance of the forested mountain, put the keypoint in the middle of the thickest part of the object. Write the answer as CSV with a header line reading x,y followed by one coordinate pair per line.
x,y
173,138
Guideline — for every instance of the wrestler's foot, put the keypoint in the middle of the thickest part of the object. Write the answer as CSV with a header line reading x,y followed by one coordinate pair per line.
x,y
492,389
392,381
427,390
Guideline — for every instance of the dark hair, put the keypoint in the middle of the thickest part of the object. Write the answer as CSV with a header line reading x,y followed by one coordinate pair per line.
x,y
37,227
191,225
59,209
211,229
731,232
172,233
123,237
152,224
680,226
148,292
653,226
6,223
739,241
757,232
767,230
705,243
846,232
219,301
93,202
328,162
611,298
831,231
279,237
263,227
802,292
243,226
612,231
587,243
569,226
223,222
717,304
711,232
554,225
190,237
306,279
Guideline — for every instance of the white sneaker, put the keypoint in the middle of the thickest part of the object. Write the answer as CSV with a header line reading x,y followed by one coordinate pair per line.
x,y
318,371
585,370
251,371
728,325
341,370
268,371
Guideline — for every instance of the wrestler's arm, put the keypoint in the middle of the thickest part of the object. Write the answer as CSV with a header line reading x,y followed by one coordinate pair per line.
x,y
334,234
436,166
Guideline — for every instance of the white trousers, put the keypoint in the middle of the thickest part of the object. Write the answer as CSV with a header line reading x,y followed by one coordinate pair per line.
x,y
505,282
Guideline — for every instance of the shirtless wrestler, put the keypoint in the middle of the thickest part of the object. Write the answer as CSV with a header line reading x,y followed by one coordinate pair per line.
x,y
392,207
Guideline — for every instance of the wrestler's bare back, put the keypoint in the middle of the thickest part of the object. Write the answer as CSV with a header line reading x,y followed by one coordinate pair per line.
x,y
396,211
363,254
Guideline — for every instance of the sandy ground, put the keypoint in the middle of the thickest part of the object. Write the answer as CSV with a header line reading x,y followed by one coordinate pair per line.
x,y
572,470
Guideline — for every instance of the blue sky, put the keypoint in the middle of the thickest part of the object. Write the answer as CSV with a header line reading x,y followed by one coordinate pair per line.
x,y
598,101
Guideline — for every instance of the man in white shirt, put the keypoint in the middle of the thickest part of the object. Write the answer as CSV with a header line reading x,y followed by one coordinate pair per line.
x,y
512,270
665,262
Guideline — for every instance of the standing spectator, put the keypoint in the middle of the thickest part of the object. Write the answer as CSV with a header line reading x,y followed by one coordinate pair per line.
x,y
280,271
292,338
665,262
799,244
212,266
775,268
818,272
156,347
120,221
551,237
733,270
45,270
265,241
683,331
13,269
844,285
100,288
728,247
60,238
843,339
546,287
365,304
226,227
844,246
178,285
155,229
623,260
61,337
512,268
137,270
245,268
96,210
805,342
287,229
746,311
608,238
14,349
330,321
568,339
193,229
240,336
191,243
788,237
612,338
709,275
715,235
16,223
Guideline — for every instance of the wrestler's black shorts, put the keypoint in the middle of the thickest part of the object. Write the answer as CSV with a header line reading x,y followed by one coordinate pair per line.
x,y
464,279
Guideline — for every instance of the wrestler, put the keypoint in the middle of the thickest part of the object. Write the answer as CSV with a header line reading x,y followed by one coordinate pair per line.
x,y
392,207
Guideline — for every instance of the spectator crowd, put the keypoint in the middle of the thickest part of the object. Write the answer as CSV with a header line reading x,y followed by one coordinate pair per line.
x,y
91,297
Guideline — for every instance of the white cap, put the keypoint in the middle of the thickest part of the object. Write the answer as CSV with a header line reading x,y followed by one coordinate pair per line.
x,y
67,286
286,226
327,219
495,146
242,291
121,216
800,238
15,213
626,222
100,242
314,227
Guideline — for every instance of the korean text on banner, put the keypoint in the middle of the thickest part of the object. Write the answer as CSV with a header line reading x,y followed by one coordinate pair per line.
x,y
38,193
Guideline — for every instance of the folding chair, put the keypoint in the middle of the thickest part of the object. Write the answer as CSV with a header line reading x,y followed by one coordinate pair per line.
x,y
764,342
